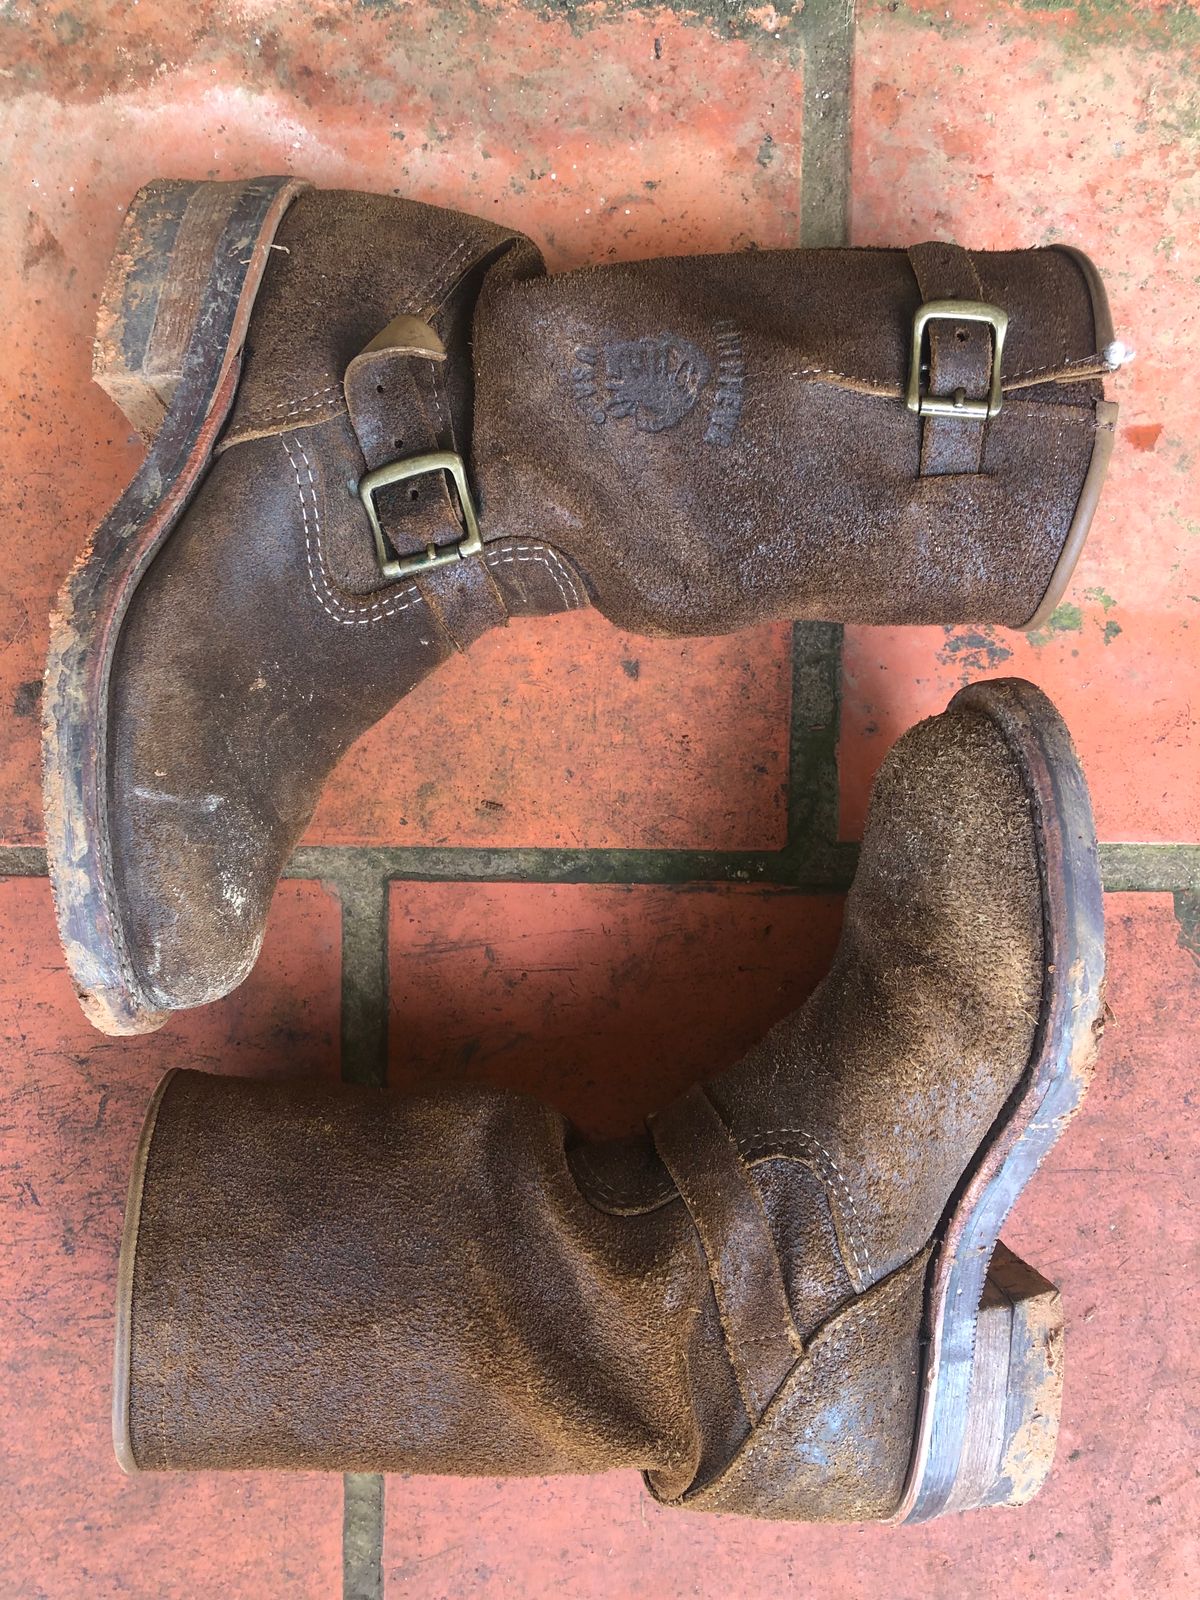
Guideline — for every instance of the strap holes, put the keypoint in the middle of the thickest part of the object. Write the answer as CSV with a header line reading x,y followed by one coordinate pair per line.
x,y
378,388
414,494
961,335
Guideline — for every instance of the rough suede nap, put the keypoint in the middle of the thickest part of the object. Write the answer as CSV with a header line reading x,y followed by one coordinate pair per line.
x,y
732,1303
690,445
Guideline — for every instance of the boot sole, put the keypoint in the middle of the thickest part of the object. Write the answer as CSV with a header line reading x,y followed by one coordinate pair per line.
x,y
169,337
991,1383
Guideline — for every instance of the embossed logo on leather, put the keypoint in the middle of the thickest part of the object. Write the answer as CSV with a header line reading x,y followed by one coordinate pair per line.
x,y
654,382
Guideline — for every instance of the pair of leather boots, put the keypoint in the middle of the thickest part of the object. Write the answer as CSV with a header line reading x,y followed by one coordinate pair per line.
x,y
376,430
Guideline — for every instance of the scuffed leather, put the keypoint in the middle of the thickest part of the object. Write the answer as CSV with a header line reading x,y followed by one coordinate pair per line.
x,y
340,1279
692,445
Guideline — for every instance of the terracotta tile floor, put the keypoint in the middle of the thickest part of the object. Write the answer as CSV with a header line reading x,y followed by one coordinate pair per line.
x,y
624,788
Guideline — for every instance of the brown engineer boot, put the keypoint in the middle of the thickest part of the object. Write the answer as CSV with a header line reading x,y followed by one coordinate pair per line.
x,y
377,429
777,1302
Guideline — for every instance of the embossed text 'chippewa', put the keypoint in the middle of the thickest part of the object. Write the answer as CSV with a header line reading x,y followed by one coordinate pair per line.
x,y
730,387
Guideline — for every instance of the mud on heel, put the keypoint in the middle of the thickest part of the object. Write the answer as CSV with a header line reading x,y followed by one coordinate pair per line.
x,y
1016,1389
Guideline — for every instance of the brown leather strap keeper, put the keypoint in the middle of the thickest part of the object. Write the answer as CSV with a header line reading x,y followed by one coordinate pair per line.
x,y
960,357
399,409
715,1184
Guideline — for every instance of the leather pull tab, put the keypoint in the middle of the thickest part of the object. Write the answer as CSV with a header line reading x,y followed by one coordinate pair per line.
x,y
722,1198
960,357
406,336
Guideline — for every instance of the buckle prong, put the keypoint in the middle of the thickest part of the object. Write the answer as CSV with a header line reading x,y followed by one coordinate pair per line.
x,y
433,555
957,404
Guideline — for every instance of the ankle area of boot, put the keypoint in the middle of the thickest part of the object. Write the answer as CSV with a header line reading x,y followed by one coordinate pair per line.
x,y
865,1107
345,265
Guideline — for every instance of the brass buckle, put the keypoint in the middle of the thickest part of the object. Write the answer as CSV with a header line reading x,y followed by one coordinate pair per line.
x,y
433,555
956,404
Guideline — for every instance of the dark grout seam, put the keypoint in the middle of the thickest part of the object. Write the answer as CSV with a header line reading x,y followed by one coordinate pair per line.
x,y
825,154
362,1536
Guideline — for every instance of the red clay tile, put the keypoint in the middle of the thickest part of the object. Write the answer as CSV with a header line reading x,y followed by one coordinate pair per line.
x,y
1109,1218
563,731
638,135
71,1104
1003,126
606,1001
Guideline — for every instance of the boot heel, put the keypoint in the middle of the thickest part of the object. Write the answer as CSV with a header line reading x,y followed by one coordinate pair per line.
x,y
1016,1389
154,293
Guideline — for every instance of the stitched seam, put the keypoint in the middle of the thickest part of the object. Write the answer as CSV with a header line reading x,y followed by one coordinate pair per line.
x,y
584,1160
543,555
1095,360
890,389
436,285
439,401
327,597
754,1146
288,406
850,377
266,420
819,1350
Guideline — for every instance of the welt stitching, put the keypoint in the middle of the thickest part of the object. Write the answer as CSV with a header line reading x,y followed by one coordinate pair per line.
x,y
329,601
750,1146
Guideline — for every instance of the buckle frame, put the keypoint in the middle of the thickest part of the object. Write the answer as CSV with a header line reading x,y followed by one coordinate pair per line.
x,y
433,555
957,404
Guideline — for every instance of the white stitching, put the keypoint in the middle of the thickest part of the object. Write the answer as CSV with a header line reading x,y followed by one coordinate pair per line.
x,y
329,601
291,408
584,1160
850,377
753,1145
378,610
888,388
835,1176
438,283
544,555
1094,360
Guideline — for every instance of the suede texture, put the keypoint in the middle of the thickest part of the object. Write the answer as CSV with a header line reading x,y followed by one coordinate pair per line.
x,y
731,1303
693,446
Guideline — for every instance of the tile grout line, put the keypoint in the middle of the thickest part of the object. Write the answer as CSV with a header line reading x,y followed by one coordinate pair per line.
x,y
1127,867
362,1536
362,893
814,721
825,139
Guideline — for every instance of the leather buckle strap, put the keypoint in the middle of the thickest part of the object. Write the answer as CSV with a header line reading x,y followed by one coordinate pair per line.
x,y
727,1210
448,461
958,393
958,404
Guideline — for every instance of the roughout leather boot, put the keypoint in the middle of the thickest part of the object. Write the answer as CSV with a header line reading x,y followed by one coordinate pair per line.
x,y
776,1302
378,429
